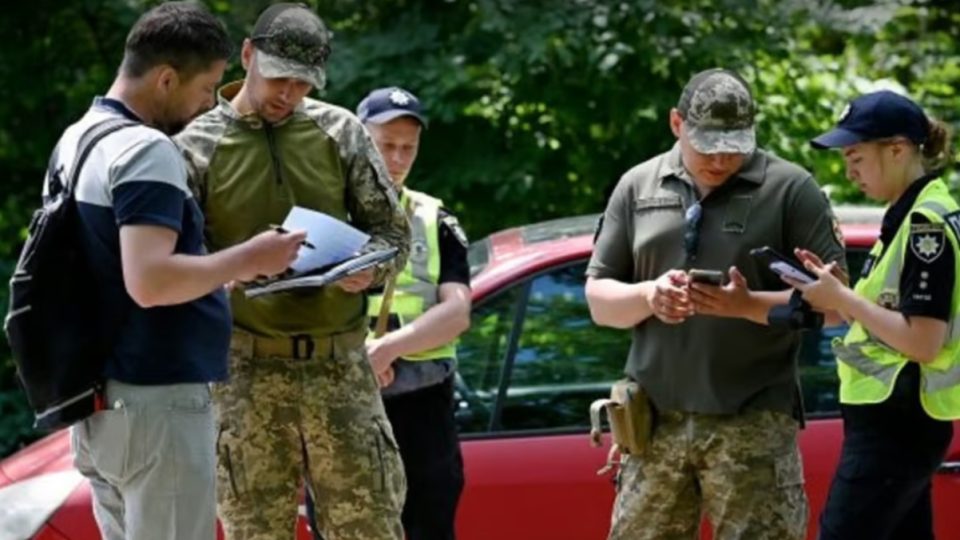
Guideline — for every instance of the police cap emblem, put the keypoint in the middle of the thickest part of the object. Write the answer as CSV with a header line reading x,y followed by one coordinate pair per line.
x,y
400,98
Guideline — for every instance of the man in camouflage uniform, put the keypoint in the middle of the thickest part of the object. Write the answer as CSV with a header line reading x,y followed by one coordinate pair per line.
x,y
303,401
721,380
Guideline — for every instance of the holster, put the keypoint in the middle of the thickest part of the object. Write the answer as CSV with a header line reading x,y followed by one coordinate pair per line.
x,y
630,417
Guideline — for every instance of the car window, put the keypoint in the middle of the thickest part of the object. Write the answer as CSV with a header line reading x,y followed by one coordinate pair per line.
x,y
563,360
818,366
481,355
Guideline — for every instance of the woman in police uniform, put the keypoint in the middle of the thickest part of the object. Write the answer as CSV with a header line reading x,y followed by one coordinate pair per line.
x,y
899,363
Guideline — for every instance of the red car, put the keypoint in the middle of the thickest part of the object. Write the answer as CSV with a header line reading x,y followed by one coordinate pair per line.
x,y
529,367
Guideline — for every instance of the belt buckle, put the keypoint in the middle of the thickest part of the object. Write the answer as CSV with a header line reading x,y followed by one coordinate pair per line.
x,y
304,343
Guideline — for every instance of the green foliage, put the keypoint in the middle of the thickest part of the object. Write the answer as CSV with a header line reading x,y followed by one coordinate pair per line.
x,y
540,106
536,106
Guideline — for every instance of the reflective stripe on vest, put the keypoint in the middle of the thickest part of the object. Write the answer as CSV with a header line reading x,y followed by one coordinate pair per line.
x,y
854,356
416,289
867,367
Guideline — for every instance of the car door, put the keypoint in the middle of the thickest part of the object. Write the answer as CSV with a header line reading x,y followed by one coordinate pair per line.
x,y
530,366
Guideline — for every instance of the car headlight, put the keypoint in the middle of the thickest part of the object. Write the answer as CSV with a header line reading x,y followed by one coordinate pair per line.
x,y
26,505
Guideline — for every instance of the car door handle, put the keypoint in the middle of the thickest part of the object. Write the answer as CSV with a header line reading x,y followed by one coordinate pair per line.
x,y
949,467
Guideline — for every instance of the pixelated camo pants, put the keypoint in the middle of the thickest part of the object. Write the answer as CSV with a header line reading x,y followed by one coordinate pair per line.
x,y
282,420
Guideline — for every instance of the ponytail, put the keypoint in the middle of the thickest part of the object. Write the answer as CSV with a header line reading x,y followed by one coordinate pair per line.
x,y
937,152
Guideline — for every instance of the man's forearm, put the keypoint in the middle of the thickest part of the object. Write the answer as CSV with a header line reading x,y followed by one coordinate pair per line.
x,y
618,304
179,278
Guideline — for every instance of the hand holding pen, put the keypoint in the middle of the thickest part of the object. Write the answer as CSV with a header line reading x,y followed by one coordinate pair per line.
x,y
270,253
281,230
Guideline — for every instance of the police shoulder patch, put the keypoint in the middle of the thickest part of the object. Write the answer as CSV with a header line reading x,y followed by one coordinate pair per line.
x,y
454,225
953,220
927,241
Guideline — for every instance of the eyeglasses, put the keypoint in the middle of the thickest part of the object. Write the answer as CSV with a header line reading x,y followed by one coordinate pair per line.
x,y
691,233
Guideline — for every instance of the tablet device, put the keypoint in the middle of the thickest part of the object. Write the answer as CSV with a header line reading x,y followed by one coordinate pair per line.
x,y
783,266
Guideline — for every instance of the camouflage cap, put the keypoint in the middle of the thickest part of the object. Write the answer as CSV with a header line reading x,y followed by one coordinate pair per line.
x,y
291,41
717,109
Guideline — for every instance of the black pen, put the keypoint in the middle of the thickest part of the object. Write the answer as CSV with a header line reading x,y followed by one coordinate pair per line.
x,y
281,230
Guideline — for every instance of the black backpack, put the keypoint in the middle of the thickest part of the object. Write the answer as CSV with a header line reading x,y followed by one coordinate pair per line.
x,y
58,335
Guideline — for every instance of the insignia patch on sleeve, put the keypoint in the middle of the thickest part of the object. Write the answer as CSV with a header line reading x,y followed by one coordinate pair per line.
x,y
927,241
837,233
458,232
953,220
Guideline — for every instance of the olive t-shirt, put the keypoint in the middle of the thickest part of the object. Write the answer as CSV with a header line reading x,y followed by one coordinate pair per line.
x,y
711,364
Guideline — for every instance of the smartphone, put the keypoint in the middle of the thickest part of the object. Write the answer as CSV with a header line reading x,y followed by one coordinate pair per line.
x,y
708,277
783,266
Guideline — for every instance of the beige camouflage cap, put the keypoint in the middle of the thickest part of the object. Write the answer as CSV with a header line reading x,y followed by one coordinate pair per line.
x,y
291,41
717,110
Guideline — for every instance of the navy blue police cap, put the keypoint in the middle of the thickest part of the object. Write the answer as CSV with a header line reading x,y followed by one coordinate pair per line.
x,y
384,104
877,115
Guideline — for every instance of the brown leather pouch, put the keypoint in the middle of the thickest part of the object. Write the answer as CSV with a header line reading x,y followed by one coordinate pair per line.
x,y
630,417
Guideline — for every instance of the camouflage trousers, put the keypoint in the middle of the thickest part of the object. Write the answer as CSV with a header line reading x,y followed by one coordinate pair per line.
x,y
742,471
319,420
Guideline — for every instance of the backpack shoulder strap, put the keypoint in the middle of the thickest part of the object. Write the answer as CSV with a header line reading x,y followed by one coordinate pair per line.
x,y
90,138
53,180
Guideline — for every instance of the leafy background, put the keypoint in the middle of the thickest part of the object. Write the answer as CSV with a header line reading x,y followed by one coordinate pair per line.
x,y
536,106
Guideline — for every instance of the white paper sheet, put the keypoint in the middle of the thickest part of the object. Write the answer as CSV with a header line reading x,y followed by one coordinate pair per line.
x,y
332,239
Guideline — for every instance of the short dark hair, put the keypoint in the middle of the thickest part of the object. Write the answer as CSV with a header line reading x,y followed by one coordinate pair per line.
x,y
182,35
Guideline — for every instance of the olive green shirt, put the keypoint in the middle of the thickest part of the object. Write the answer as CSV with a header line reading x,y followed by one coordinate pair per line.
x,y
713,364
248,174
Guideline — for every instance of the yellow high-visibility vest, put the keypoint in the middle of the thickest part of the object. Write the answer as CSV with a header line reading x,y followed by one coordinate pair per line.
x,y
868,368
417,288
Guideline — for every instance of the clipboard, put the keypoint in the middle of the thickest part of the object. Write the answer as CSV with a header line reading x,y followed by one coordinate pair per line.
x,y
321,276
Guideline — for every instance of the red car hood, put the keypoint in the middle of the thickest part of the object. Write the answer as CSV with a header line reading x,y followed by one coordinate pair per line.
x,y
48,455
35,483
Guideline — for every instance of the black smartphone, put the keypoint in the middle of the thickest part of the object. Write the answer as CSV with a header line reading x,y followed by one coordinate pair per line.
x,y
783,266
708,277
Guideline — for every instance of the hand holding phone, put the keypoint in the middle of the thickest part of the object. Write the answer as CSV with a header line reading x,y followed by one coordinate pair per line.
x,y
707,277
783,266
